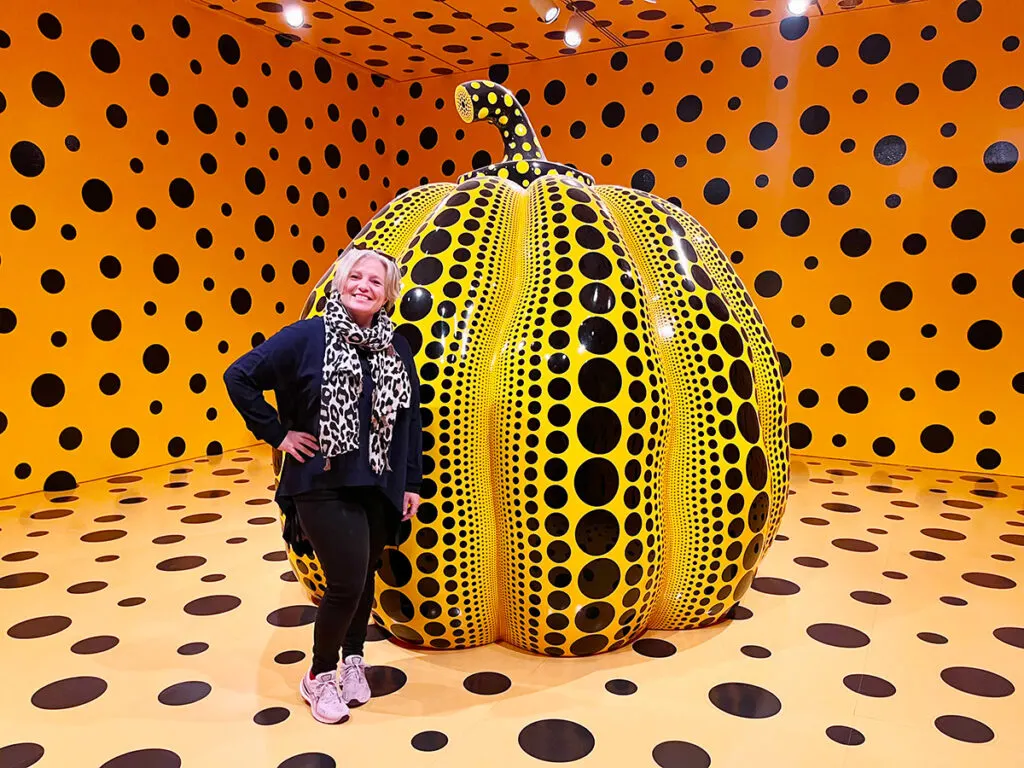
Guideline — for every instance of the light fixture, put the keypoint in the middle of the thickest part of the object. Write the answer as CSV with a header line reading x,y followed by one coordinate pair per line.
x,y
574,30
293,15
548,10
798,7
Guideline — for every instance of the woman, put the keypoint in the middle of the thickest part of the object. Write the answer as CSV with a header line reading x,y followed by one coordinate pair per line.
x,y
349,426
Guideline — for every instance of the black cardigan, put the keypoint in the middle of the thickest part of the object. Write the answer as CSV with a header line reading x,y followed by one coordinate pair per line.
x,y
291,363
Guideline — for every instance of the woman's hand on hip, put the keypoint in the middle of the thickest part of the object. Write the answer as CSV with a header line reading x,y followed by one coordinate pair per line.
x,y
295,444
411,506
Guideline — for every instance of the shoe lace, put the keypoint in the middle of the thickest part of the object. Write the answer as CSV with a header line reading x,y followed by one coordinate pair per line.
x,y
354,673
326,686
336,684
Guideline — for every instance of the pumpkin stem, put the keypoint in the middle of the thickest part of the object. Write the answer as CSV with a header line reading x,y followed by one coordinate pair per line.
x,y
484,100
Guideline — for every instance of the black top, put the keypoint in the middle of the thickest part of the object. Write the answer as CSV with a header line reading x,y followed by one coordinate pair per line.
x,y
291,363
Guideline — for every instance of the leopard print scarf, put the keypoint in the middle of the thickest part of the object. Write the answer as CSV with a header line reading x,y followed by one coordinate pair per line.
x,y
343,385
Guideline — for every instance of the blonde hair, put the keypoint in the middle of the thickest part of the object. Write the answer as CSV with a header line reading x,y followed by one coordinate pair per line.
x,y
392,274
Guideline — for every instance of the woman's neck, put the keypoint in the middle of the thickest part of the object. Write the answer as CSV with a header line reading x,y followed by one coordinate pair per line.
x,y
363,321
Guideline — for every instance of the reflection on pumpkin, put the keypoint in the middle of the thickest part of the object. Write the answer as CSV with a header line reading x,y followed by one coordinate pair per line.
x,y
605,424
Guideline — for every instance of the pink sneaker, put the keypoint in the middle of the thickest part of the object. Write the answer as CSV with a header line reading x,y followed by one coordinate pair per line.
x,y
354,688
323,694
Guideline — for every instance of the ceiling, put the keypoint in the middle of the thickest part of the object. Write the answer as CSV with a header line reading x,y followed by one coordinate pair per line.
x,y
415,39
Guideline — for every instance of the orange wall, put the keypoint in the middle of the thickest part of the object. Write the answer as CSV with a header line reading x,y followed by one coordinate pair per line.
x,y
55,417
868,379
804,306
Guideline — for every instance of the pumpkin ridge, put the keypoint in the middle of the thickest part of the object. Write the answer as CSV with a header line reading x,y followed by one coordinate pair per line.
x,y
769,383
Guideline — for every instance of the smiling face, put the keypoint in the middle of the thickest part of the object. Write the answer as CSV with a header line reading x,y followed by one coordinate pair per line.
x,y
364,293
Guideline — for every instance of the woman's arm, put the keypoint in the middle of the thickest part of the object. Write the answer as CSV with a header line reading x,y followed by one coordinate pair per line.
x,y
414,464
271,365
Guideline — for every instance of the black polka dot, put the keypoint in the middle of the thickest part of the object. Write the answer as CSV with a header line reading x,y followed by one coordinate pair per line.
x,y
292,616
654,648
963,728
680,754
385,680
429,741
487,683
763,136
689,108
22,754
554,92
181,694
874,49
621,687
770,585
869,685
212,605
613,114
844,734
795,222
1011,97
745,700
43,626
889,150
716,191
309,760
896,296
937,438
838,635
959,75
205,118
794,27
984,334
91,645
768,284
556,741
70,692
643,180
105,56
145,758
1001,157
228,48
27,159
814,120
271,716
48,89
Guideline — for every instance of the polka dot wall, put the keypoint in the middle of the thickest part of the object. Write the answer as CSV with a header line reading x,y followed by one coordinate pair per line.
x,y
860,171
873,222
173,183
175,176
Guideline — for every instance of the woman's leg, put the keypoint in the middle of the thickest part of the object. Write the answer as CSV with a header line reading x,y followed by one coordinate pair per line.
x,y
340,535
356,636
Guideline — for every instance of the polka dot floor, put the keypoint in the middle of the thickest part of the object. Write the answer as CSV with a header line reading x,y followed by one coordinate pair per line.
x,y
151,621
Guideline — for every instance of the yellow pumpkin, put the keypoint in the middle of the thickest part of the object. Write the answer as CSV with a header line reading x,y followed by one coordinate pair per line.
x,y
605,440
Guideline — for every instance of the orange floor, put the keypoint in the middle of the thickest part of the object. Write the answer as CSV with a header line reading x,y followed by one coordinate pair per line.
x,y
150,621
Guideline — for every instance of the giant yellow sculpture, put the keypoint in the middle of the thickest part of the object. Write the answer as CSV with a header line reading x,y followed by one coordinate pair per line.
x,y
604,418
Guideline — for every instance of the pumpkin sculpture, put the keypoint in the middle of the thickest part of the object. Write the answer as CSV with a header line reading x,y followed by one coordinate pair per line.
x,y
605,441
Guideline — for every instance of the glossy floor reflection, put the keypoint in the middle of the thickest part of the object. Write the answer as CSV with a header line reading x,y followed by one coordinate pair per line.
x,y
151,621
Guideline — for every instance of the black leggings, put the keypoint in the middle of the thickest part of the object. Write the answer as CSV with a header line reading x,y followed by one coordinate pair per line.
x,y
347,530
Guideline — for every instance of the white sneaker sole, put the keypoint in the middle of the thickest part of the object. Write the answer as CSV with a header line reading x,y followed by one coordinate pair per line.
x,y
312,710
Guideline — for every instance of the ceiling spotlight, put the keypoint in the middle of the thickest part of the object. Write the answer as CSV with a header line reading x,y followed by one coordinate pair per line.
x,y
548,10
293,15
798,7
574,30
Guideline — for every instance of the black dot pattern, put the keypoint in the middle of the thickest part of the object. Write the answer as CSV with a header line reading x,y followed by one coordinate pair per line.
x,y
140,238
920,637
585,376
912,63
